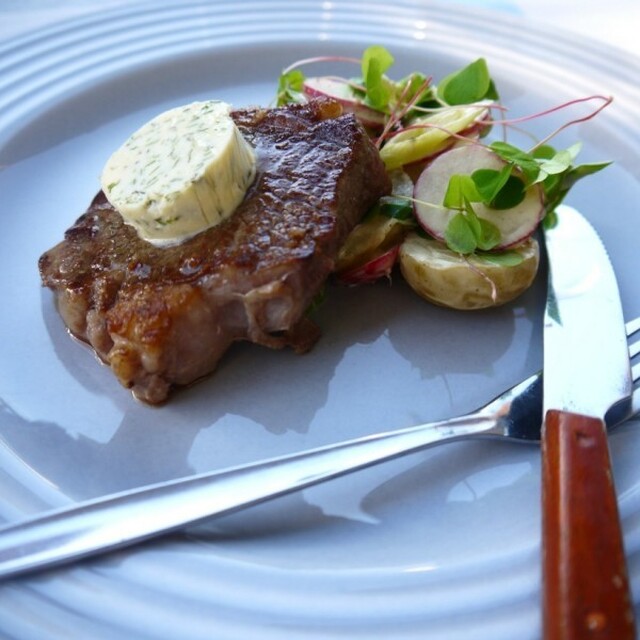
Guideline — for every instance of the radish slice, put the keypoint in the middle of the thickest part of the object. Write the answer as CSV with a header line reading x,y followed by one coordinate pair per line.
x,y
339,89
374,269
515,224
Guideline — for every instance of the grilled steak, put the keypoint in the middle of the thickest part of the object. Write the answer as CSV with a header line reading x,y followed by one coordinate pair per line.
x,y
164,316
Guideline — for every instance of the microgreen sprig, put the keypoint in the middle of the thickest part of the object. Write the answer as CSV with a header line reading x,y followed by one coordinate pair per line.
x,y
290,88
554,170
379,90
466,231
374,88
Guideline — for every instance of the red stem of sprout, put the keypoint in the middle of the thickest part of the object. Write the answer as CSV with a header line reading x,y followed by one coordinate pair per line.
x,y
305,61
428,125
606,101
564,105
396,117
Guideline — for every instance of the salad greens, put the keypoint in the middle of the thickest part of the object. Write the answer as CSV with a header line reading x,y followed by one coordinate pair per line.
x,y
553,169
290,86
394,207
471,84
379,90
418,117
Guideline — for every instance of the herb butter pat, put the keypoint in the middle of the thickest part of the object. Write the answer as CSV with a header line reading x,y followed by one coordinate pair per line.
x,y
181,173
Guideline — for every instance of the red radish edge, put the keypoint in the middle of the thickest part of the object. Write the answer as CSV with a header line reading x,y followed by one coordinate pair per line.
x,y
328,87
371,270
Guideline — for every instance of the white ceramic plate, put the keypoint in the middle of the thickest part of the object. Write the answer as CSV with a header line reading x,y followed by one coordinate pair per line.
x,y
442,544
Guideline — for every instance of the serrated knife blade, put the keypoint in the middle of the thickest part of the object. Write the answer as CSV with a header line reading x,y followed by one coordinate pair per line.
x,y
586,375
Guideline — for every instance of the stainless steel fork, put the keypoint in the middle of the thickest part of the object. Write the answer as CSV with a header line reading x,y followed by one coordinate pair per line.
x,y
123,519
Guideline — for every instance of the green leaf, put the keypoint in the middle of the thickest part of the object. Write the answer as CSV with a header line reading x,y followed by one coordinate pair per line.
x,y
488,182
356,85
412,90
470,84
467,232
459,236
583,170
553,169
553,166
526,162
512,194
375,61
492,93
489,236
396,208
559,176
502,258
380,56
550,219
557,163
545,151
472,219
556,187
290,88
551,184
573,150
460,188
499,189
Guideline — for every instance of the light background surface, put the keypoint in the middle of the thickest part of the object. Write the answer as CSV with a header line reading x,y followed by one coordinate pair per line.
x,y
615,22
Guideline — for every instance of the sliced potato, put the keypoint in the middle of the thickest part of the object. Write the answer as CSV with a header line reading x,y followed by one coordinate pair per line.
x,y
430,134
445,278
373,236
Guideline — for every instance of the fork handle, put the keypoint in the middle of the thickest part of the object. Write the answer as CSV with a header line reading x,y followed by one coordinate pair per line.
x,y
586,591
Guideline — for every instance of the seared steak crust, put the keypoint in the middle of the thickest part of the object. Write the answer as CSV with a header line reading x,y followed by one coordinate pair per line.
x,y
164,316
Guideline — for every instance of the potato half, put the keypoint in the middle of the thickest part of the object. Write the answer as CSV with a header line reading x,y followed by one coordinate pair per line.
x,y
445,278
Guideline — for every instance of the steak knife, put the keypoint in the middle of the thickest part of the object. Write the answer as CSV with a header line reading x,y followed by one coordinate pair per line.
x,y
586,376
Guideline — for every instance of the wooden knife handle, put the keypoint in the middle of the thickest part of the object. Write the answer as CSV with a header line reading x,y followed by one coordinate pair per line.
x,y
586,593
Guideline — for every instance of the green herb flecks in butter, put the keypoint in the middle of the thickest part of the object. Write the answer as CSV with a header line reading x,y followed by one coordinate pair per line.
x,y
181,173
